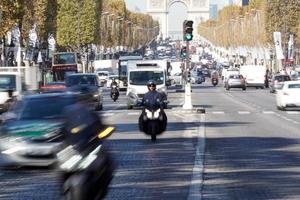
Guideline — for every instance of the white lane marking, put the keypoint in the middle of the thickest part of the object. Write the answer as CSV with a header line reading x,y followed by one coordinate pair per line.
x,y
197,177
243,112
218,112
134,113
268,112
293,112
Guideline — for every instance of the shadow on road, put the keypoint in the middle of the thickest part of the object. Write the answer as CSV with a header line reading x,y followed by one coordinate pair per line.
x,y
251,168
147,170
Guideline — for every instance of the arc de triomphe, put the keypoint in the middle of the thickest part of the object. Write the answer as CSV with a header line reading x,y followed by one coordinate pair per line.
x,y
197,10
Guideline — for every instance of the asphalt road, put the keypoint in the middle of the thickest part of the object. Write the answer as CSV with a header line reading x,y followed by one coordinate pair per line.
x,y
241,148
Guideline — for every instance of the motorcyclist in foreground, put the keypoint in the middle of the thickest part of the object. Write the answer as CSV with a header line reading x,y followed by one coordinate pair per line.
x,y
153,102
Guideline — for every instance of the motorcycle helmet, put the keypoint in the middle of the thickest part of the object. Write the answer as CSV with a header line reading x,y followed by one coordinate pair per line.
x,y
151,83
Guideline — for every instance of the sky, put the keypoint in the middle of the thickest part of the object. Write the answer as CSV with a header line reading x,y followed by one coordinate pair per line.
x,y
133,5
175,19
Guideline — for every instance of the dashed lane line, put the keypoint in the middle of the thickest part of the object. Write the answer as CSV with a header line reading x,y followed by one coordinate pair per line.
x,y
218,112
293,112
244,112
134,113
268,112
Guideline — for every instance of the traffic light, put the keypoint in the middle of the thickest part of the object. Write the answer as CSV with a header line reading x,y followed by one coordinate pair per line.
x,y
188,30
183,52
189,76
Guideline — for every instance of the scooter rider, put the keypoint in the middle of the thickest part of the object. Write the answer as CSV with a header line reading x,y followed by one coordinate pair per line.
x,y
113,83
114,88
152,97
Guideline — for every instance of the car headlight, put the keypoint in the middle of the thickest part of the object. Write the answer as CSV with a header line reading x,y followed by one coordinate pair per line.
x,y
96,95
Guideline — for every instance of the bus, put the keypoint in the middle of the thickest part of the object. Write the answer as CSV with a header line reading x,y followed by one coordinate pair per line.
x,y
64,63
123,71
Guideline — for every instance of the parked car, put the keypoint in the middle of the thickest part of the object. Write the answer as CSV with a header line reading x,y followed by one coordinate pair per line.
x,y
235,81
277,80
31,131
89,85
288,95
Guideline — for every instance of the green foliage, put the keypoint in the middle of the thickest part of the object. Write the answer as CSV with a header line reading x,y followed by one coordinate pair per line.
x,y
253,25
282,17
77,23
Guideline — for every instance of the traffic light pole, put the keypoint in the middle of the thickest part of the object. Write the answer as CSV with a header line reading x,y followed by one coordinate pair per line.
x,y
188,95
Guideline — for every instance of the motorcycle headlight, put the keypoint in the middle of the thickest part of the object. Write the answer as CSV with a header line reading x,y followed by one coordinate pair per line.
x,y
156,114
148,114
96,95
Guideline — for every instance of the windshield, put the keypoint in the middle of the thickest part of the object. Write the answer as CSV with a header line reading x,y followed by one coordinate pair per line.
x,y
81,80
7,82
142,77
45,108
294,86
64,58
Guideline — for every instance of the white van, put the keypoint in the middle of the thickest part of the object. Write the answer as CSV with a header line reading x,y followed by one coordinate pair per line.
x,y
254,75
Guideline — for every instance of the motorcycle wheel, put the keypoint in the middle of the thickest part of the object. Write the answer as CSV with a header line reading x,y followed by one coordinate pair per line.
x,y
152,129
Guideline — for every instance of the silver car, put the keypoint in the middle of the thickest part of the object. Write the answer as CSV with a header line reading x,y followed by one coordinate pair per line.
x,y
235,81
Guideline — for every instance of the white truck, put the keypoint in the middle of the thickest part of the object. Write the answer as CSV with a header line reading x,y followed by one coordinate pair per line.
x,y
15,79
254,75
123,70
139,73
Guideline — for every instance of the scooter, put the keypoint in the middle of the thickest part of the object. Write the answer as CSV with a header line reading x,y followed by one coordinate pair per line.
x,y
214,81
114,93
153,121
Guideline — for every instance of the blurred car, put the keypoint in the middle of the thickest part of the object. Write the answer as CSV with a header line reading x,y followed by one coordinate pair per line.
x,y
277,80
53,87
288,95
110,79
89,85
200,77
206,73
235,81
31,132
177,78
295,76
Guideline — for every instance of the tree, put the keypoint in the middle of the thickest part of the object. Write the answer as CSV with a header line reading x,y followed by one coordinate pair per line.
x,y
281,16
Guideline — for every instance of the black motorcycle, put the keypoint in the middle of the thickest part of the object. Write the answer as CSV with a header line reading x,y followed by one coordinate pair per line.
x,y
114,93
153,121
214,81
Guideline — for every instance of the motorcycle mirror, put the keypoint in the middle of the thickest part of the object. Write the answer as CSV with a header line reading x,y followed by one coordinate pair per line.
x,y
106,133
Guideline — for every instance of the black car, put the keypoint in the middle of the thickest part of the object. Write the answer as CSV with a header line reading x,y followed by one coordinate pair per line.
x,y
89,85
31,131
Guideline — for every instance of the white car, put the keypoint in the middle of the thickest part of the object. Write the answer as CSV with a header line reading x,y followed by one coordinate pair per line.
x,y
288,95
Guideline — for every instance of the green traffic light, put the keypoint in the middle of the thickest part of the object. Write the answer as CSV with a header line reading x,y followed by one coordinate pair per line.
x,y
188,37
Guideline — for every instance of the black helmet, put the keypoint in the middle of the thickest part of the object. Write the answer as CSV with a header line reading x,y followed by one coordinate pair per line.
x,y
151,83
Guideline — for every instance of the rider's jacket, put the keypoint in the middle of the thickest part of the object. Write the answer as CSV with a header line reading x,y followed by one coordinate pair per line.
x,y
153,99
